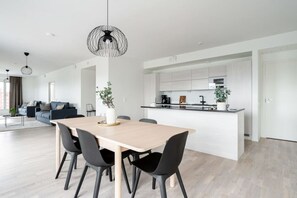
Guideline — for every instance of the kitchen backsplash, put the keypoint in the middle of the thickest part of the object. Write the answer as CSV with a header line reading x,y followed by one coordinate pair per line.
x,y
192,96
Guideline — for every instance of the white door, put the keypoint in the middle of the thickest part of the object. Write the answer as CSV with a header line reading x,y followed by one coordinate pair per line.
x,y
280,100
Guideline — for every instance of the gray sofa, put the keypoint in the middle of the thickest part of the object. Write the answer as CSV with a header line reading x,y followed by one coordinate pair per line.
x,y
28,111
53,114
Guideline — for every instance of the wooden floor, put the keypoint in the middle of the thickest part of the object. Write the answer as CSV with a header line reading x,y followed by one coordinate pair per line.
x,y
267,169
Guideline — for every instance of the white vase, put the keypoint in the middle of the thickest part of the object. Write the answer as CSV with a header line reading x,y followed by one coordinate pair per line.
x,y
110,116
221,106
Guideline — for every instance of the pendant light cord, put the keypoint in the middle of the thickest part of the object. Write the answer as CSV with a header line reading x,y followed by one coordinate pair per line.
x,y
107,15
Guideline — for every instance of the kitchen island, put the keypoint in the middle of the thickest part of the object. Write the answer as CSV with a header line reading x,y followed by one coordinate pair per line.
x,y
219,133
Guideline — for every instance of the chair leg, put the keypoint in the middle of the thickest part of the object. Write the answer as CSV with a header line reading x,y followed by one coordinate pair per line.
x,y
161,181
73,156
135,157
129,160
136,183
125,177
75,164
81,180
110,174
181,184
61,165
97,183
154,183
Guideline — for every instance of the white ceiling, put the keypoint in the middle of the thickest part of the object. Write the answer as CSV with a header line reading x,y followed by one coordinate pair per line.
x,y
154,28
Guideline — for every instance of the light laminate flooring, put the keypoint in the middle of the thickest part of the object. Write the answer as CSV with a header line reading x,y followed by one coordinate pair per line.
x,y
266,169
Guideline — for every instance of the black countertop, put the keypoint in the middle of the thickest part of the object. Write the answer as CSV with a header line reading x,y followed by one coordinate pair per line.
x,y
192,108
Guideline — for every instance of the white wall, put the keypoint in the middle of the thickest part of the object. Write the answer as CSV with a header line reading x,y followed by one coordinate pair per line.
x,y
255,46
126,76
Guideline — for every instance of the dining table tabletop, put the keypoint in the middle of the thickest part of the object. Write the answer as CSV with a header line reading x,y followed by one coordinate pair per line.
x,y
125,135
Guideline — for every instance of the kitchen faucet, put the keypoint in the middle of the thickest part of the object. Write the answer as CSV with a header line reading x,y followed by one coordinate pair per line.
x,y
202,101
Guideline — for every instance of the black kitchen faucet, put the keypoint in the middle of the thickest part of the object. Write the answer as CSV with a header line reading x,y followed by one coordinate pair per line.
x,y
202,101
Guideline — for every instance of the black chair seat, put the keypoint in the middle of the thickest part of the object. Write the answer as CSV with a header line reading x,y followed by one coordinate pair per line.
x,y
148,163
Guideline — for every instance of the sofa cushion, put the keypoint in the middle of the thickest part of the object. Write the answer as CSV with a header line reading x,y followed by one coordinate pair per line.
x,y
60,106
45,107
45,114
31,103
55,104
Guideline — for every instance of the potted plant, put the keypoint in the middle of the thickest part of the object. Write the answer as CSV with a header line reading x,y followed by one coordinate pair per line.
x,y
12,111
221,97
107,99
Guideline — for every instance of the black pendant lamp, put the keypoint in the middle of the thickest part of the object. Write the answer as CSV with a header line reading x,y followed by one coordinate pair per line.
x,y
26,70
107,41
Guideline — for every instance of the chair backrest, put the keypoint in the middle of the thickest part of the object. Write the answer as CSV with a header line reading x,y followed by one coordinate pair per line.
x,y
172,154
124,117
148,120
89,107
67,139
75,116
90,148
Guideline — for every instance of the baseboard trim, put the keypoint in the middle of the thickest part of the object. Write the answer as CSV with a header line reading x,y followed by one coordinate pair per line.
x,y
281,140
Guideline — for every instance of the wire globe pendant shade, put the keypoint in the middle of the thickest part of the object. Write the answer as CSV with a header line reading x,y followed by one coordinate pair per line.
x,y
107,41
26,70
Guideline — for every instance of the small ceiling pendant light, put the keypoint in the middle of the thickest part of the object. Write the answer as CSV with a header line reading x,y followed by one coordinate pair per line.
x,y
107,41
7,77
26,70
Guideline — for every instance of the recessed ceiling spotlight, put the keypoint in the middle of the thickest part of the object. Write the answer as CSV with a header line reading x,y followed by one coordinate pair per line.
x,y
50,34
200,43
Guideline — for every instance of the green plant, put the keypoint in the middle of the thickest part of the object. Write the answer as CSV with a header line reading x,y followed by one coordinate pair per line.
x,y
106,95
221,94
13,111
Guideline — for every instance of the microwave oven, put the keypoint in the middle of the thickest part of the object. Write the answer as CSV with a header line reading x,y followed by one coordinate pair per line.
x,y
216,82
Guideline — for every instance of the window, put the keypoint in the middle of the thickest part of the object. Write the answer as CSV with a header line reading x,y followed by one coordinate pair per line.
x,y
4,95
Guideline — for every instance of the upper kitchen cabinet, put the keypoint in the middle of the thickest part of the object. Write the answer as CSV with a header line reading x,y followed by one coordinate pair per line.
x,y
201,73
165,77
217,71
200,84
181,75
183,85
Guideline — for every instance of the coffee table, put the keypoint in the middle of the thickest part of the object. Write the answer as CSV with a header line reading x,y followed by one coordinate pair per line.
x,y
22,118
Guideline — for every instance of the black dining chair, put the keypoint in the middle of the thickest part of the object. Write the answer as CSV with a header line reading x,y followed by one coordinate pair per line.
x,y
72,147
135,154
162,166
99,160
124,117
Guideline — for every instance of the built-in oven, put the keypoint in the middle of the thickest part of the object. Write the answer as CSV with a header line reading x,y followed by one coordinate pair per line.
x,y
217,82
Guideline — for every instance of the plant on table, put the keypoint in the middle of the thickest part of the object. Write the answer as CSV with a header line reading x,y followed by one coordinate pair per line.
x,y
107,99
221,96
12,111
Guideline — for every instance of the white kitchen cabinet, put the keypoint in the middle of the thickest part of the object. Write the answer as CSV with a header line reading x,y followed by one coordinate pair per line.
x,y
181,75
165,77
240,83
200,84
199,73
217,71
165,86
181,85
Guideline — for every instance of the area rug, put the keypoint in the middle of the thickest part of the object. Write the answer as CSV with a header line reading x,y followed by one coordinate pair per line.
x,y
15,123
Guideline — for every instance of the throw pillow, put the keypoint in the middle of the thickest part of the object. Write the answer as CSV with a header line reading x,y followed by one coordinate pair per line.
x,y
24,105
45,107
31,103
60,106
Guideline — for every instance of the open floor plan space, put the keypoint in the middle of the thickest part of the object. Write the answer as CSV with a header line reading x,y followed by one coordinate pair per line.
x,y
263,171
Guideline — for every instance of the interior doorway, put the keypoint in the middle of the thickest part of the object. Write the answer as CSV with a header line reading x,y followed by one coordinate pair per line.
x,y
88,88
279,115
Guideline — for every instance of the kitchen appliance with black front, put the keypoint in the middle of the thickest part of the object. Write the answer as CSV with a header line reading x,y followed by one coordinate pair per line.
x,y
165,101
217,82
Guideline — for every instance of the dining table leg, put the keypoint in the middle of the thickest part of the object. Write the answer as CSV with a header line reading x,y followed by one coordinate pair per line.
x,y
118,172
58,148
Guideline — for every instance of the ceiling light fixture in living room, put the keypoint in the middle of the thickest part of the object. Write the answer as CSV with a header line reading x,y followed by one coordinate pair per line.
x,y
26,70
107,40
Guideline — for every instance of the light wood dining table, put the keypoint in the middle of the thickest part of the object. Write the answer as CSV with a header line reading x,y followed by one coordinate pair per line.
x,y
134,135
